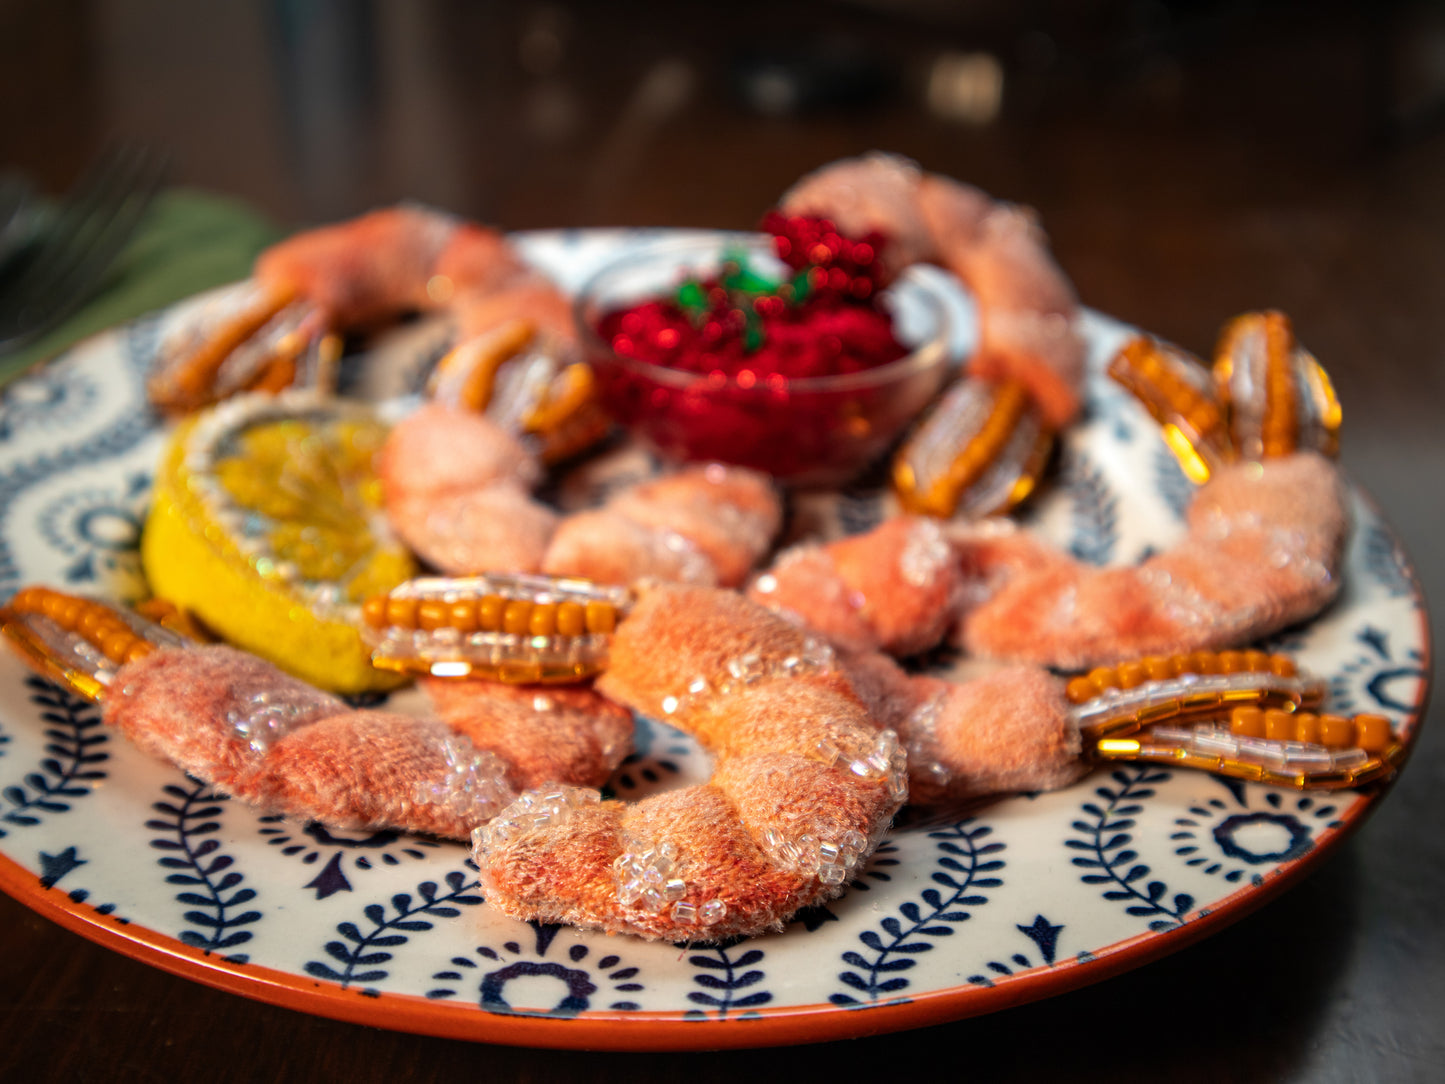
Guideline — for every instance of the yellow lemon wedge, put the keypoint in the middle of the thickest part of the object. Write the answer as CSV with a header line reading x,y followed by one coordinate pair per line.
x,y
266,523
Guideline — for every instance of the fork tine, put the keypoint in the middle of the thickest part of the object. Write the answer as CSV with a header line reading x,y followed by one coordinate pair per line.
x,y
14,217
89,194
85,217
112,213
93,227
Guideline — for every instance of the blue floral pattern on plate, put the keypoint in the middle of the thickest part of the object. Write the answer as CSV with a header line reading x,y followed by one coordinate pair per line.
x,y
1019,892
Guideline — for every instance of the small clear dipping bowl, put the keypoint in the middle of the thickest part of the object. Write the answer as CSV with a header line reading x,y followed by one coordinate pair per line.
x,y
804,431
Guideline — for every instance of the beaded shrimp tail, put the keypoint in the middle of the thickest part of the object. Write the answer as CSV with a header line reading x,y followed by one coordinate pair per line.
x,y
269,739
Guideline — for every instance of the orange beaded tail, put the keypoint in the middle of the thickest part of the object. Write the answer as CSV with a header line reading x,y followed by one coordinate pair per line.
x,y
1265,397
80,643
1245,714
256,338
1178,392
503,627
1279,398
980,450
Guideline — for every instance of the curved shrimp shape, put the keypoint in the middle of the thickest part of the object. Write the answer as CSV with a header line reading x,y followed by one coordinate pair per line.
x,y
457,492
1026,306
266,738
808,772
1262,549
808,767
284,326
803,786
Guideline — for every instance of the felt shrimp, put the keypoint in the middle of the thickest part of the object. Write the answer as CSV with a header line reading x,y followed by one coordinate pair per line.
x,y
284,326
457,489
984,444
1262,548
814,752
269,739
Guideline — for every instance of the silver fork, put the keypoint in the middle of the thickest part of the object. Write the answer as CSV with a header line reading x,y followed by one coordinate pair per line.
x,y
67,260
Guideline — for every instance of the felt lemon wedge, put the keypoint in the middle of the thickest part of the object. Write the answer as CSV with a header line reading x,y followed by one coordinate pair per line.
x,y
266,523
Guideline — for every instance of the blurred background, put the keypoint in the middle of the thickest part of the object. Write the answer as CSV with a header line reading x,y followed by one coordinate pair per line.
x,y
1190,159
1120,120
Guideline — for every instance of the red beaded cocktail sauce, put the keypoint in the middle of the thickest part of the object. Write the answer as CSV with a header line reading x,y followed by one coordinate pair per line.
x,y
735,347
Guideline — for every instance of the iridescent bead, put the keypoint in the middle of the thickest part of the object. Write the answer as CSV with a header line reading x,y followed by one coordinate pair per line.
x,y
748,668
535,811
827,752
925,555
474,785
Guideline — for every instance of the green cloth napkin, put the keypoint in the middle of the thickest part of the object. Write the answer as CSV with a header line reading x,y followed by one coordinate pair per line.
x,y
188,242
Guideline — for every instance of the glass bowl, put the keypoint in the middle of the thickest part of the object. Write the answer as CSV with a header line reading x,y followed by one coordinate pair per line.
x,y
804,431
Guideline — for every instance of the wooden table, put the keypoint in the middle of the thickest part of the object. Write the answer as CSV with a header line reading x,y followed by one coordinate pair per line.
x,y
1190,161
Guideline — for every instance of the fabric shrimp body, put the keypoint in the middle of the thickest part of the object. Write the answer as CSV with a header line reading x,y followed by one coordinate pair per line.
x,y
457,490
804,786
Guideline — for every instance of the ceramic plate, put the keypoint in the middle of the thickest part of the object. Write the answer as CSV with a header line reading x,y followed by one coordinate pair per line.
x,y
1017,900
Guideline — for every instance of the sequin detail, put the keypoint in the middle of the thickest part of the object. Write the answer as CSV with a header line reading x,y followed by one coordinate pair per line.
x,y
829,860
647,878
921,728
264,717
474,786
882,760
813,657
692,565
534,811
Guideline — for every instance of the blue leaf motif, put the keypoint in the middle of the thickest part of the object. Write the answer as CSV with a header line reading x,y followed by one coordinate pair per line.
x,y
961,848
728,977
1108,850
220,920
391,932
1095,509
74,732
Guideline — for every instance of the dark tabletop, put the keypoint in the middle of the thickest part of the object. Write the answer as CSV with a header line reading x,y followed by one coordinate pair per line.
x,y
1190,160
